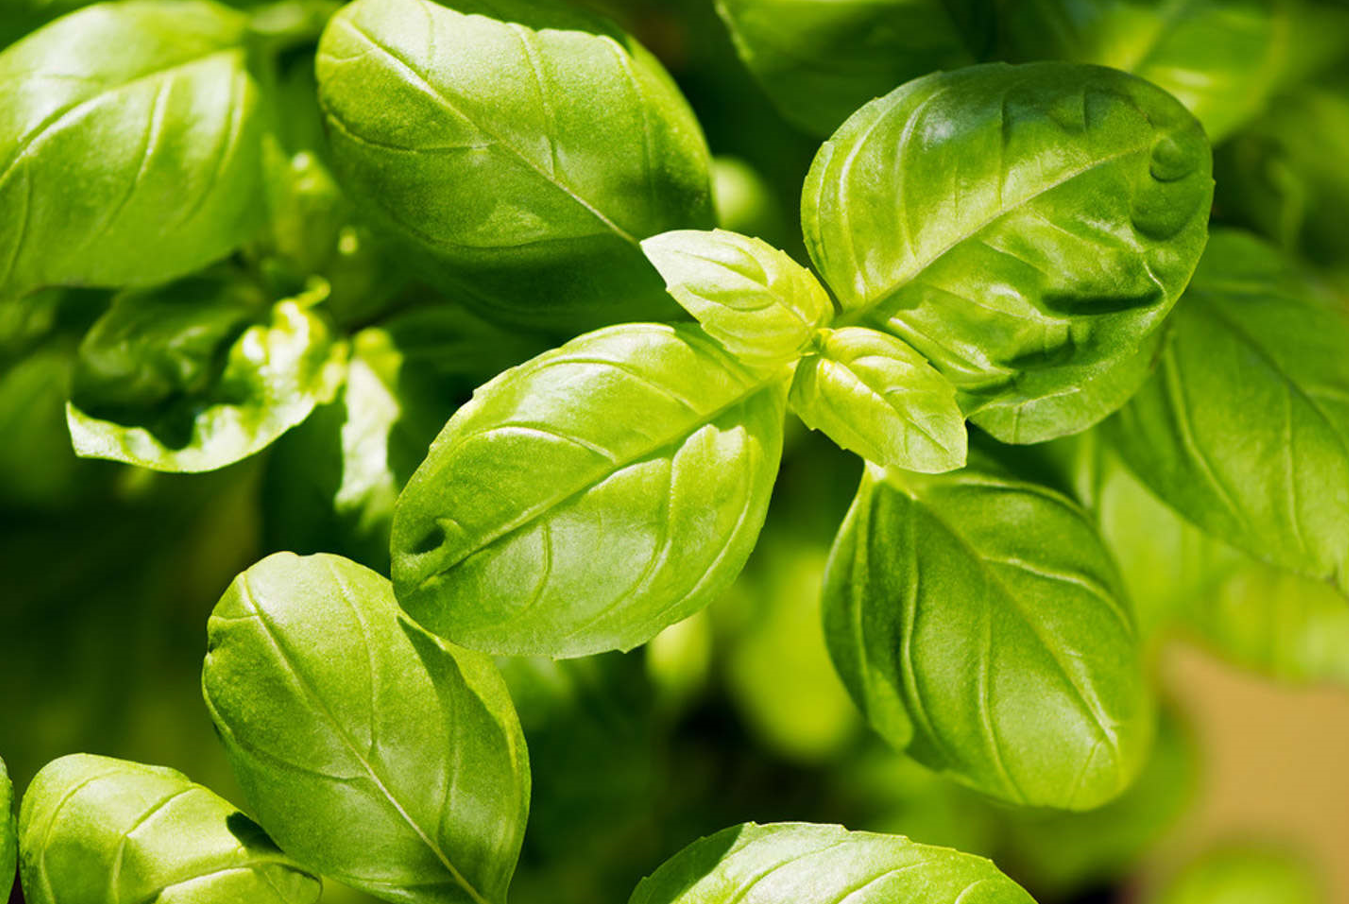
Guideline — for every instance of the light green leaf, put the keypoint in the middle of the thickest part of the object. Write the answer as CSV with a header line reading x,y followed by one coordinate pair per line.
x,y
367,748
876,396
978,620
95,830
592,496
800,863
1237,874
199,374
1221,58
9,839
819,60
764,307
1015,225
526,147
130,145
1244,426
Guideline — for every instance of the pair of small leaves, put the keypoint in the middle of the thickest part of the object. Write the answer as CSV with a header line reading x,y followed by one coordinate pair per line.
x,y
403,771
1244,426
131,148
95,830
525,147
799,863
979,621
870,392
199,374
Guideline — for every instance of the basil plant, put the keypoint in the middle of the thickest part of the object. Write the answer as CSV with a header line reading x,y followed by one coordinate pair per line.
x,y
502,375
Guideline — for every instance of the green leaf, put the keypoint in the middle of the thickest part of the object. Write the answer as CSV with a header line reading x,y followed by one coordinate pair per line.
x,y
1221,58
199,374
95,830
978,620
590,497
9,839
1015,225
876,396
800,863
819,60
764,307
526,147
371,751
130,145
1244,426
1237,874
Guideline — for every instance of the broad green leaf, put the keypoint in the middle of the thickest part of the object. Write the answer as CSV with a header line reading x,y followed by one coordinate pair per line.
x,y
1244,426
95,830
130,145
592,496
368,749
819,60
1015,225
526,147
9,839
19,17
764,307
876,396
1238,874
199,374
978,620
800,863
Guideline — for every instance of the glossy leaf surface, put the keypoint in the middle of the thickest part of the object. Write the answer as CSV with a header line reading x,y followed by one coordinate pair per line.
x,y
800,863
371,751
876,396
528,148
819,60
1244,426
591,496
765,308
130,145
1013,224
95,830
978,620
199,374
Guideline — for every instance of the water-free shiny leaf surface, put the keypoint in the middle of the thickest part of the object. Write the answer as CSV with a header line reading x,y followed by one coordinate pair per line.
x,y
978,620
527,147
95,830
368,749
591,496
1015,225
130,145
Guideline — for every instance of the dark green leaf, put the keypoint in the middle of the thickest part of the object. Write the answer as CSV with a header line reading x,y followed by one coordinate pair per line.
x,y
590,497
800,863
95,830
367,748
1018,226
199,374
978,620
9,839
819,60
1244,426
528,148
130,145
